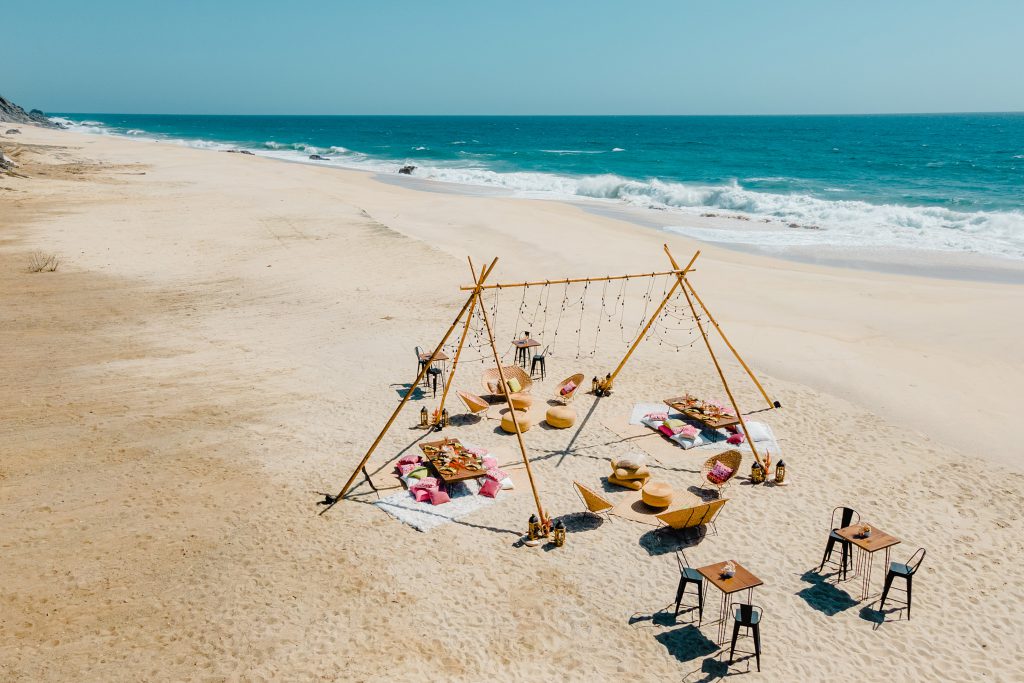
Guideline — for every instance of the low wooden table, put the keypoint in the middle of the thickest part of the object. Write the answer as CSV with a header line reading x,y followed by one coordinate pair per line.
x,y
878,540
522,347
742,580
694,414
461,472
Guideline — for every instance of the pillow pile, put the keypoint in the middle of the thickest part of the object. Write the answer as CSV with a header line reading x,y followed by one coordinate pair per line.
x,y
568,388
630,472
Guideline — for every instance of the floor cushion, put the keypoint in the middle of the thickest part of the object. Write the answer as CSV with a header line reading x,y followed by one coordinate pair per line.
x,y
657,494
521,417
561,417
635,484
521,400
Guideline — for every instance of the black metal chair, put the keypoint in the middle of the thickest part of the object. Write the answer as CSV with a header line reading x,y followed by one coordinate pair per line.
x,y
749,617
539,359
905,572
432,372
848,517
688,575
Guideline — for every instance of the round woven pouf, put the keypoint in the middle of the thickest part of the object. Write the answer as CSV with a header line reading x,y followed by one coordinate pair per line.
x,y
561,417
521,401
657,494
521,417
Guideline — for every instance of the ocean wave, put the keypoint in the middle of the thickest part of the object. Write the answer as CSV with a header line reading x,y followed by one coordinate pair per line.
x,y
618,149
135,131
571,151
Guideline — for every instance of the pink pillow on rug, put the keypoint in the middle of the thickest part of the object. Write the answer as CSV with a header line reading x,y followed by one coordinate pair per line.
x,y
720,473
496,474
689,431
657,416
406,468
409,460
568,388
421,495
478,451
489,462
667,431
735,439
490,488
425,484
439,497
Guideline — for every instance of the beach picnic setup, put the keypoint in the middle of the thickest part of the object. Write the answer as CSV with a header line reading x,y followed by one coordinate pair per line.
x,y
450,478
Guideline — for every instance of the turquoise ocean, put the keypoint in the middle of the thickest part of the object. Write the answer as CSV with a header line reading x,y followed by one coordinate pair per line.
x,y
942,182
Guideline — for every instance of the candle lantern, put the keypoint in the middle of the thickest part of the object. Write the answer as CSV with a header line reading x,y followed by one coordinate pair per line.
x,y
559,529
424,417
756,473
445,418
780,472
594,385
535,530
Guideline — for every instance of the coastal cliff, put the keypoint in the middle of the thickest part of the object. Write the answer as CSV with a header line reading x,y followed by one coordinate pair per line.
x,y
12,113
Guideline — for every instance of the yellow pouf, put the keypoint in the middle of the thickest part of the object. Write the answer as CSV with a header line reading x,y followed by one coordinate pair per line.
x,y
657,494
521,401
561,417
635,484
521,417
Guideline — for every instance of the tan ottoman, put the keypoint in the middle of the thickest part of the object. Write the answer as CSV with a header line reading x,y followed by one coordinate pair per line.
x,y
519,416
561,417
521,401
657,494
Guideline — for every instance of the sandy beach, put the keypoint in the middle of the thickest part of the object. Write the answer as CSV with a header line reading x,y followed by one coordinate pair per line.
x,y
226,334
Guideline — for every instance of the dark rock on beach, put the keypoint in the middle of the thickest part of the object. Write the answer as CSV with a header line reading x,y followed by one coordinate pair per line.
x,y
13,131
239,151
317,157
407,170
12,113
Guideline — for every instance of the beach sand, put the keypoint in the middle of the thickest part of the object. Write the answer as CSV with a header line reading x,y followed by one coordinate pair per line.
x,y
226,335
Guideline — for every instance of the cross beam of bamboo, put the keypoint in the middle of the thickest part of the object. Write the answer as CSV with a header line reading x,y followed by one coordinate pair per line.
x,y
640,337
569,281
508,400
714,359
405,399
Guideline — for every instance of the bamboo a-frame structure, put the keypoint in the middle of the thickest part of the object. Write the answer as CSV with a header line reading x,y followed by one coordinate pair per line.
x,y
465,316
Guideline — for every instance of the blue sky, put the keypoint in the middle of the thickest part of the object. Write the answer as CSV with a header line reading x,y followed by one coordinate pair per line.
x,y
526,57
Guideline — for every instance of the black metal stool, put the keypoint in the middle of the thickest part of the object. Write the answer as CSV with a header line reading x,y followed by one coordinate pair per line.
x,y
905,572
749,617
846,557
688,575
538,359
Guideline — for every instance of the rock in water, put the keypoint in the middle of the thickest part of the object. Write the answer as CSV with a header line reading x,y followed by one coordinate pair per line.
x,y
12,113
317,157
407,170
239,151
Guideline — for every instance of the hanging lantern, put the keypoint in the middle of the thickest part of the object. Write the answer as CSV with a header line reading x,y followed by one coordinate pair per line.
x,y
780,473
445,418
424,417
559,537
535,530
757,473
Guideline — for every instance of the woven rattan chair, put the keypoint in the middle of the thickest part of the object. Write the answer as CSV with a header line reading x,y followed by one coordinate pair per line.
x,y
731,459
474,403
595,502
576,379
492,380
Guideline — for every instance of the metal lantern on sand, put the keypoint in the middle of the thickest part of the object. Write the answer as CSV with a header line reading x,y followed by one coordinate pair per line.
x,y
780,473
424,417
757,473
559,533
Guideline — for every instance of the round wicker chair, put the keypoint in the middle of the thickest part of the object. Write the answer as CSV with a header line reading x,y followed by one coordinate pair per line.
x,y
492,380
731,459
576,379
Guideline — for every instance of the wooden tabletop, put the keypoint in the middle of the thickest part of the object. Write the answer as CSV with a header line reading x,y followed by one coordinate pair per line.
x,y
878,540
694,414
525,343
440,355
741,581
461,473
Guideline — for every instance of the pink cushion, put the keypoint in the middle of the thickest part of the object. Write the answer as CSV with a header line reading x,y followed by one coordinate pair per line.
x,y
496,474
657,416
489,462
407,468
478,451
409,460
425,484
490,488
438,497
666,430
420,495
689,431
720,473
735,439
568,388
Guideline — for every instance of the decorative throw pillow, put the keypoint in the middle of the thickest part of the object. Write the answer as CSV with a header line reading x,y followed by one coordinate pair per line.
x,y
405,469
674,424
418,473
758,431
409,460
630,462
492,387
660,417
667,431
439,497
496,474
476,450
688,432
514,386
687,442
568,388
421,495
490,488
720,473
735,439
426,483
490,462
507,484
651,422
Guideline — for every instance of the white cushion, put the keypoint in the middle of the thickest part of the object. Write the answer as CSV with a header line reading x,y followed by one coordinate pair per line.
x,y
689,443
507,484
653,424
759,432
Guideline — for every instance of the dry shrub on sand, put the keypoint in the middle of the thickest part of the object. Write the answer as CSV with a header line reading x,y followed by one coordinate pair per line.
x,y
43,263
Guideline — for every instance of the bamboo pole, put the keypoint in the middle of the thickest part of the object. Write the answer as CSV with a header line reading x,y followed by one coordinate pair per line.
x,y
771,404
718,367
462,340
569,281
508,400
405,399
640,337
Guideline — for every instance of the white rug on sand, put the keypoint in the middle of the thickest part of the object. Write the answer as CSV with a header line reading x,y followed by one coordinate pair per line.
x,y
424,516
713,439
641,409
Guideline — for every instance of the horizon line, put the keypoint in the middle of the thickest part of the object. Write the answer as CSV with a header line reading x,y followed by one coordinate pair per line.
x,y
632,115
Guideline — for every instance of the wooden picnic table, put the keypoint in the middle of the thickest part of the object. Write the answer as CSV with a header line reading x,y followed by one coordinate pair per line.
x,y
868,545
741,580
462,472
694,413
